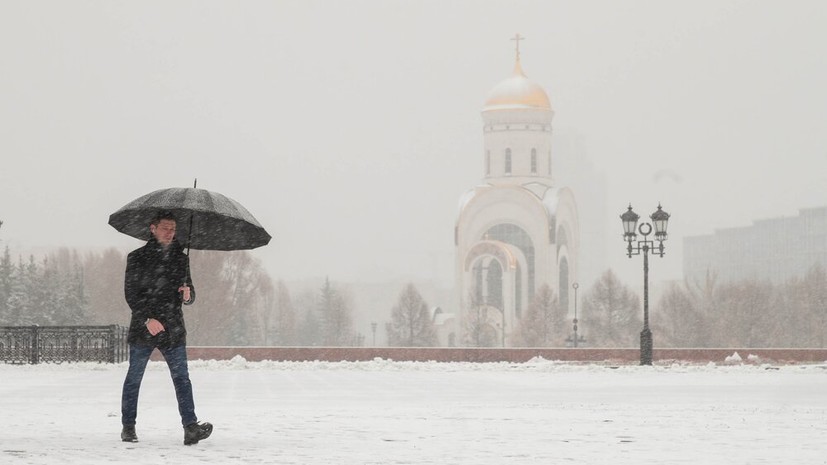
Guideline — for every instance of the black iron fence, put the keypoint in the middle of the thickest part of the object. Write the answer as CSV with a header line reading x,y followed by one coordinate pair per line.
x,y
56,344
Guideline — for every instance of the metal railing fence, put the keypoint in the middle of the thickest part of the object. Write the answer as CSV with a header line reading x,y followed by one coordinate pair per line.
x,y
57,344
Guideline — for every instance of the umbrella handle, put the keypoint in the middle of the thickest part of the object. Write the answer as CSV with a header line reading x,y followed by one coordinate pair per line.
x,y
188,281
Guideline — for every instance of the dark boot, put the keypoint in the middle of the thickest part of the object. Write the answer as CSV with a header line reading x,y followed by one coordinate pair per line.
x,y
195,432
128,434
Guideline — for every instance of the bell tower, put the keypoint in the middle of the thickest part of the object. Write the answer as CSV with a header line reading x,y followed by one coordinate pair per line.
x,y
517,130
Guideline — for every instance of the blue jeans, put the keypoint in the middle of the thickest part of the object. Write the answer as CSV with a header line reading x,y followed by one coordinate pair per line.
x,y
176,358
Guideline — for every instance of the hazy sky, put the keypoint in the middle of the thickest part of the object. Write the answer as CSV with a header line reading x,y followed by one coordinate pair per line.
x,y
351,128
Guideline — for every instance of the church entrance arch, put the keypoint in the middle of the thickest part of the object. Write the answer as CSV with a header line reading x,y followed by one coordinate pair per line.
x,y
514,235
488,282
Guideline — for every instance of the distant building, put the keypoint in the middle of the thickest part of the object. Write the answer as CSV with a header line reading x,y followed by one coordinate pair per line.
x,y
517,230
774,250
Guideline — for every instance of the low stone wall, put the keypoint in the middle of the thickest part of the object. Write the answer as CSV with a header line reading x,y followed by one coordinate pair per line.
x,y
514,355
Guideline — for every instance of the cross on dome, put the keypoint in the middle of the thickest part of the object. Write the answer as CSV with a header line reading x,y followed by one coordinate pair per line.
x,y
517,92
517,38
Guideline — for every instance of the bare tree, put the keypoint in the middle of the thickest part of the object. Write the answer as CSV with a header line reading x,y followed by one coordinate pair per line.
x,y
684,313
232,292
747,313
613,313
209,319
542,324
815,308
477,332
801,310
411,324
743,306
104,279
781,326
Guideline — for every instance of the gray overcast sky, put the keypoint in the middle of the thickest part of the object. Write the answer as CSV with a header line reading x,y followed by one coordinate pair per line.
x,y
351,128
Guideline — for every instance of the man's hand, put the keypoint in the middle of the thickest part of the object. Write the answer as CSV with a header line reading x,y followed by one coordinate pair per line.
x,y
154,326
185,290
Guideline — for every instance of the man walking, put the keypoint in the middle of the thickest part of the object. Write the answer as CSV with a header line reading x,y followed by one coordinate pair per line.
x,y
156,284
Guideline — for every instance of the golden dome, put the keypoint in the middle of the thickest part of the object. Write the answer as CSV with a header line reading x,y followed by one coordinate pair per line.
x,y
517,93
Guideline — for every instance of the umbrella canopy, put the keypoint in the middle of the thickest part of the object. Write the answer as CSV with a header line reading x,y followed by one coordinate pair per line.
x,y
205,220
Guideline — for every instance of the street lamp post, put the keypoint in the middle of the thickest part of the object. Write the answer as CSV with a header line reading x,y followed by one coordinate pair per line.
x,y
575,286
634,247
373,328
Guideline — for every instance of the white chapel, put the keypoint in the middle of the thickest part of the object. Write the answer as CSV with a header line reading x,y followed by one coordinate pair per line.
x,y
517,230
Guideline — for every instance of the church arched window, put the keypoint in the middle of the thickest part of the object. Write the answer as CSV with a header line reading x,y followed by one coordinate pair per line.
x,y
562,238
507,161
534,161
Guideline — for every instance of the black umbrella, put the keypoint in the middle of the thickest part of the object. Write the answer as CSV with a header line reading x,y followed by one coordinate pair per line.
x,y
206,220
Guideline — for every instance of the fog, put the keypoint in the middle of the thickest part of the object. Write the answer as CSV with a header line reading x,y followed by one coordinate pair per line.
x,y
350,129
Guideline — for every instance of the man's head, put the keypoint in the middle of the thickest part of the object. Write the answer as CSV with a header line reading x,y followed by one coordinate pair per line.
x,y
163,228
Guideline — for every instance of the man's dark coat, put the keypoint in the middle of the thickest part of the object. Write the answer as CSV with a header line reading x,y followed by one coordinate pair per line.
x,y
153,276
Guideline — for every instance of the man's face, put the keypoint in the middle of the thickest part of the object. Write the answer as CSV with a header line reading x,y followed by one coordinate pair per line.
x,y
164,231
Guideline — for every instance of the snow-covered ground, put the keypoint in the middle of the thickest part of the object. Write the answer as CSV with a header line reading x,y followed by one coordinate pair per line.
x,y
385,412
